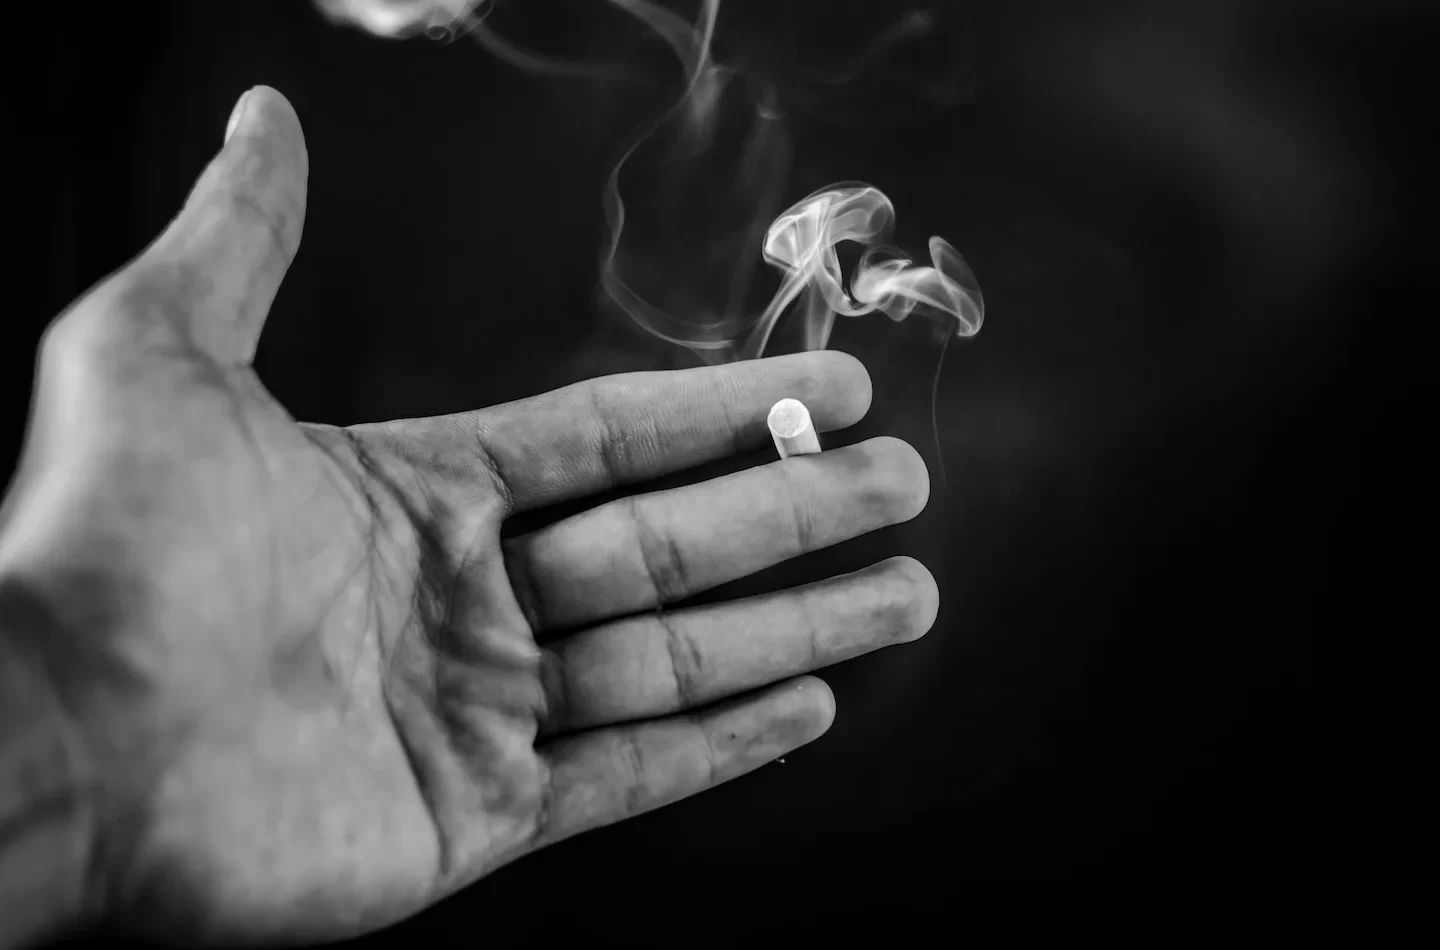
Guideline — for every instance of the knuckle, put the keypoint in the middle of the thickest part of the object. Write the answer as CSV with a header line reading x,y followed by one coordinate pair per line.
x,y
112,313
66,335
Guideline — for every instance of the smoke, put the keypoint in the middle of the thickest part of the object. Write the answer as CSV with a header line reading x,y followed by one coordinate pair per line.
x,y
802,243
400,18
690,197
688,205
693,202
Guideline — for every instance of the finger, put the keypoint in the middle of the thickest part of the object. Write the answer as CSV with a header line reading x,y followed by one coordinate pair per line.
x,y
660,663
216,268
592,436
600,777
646,550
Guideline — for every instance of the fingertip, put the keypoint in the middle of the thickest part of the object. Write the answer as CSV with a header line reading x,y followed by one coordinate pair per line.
x,y
784,717
921,595
272,102
266,161
817,701
834,385
856,390
263,115
236,114
912,477
270,114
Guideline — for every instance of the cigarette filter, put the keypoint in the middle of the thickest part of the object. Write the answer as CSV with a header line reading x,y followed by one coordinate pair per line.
x,y
792,429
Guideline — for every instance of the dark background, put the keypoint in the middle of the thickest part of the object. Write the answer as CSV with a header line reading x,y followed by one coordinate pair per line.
x,y
1189,219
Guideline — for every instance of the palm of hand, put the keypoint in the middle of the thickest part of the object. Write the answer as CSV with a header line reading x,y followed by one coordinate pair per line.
x,y
314,699
327,766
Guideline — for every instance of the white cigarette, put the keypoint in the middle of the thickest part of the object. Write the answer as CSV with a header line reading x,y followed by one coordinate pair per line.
x,y
792,429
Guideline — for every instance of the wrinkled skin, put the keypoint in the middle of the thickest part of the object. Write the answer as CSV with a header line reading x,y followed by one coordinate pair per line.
x,y
307,689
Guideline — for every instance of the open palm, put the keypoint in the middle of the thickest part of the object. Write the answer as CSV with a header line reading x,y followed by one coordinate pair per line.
x,y
315,688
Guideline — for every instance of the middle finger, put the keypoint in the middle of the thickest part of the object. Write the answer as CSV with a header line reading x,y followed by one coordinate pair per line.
x,y
647,550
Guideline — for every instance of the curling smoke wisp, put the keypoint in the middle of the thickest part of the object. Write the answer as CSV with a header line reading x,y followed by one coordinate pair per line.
x,y
694,200
689,206
802,244
399,18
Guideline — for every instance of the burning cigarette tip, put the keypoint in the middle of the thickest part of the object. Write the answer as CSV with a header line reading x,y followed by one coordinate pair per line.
x,y
791,428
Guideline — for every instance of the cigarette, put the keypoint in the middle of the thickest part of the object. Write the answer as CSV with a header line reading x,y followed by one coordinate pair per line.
x,y
792,430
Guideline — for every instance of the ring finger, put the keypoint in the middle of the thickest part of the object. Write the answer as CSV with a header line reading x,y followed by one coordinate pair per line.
x,y
659,663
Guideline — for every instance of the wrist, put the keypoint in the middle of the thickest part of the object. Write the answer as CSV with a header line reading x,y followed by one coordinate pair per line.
x,y
46,804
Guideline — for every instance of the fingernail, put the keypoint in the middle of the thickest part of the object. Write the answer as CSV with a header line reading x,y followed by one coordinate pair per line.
x,y
235,115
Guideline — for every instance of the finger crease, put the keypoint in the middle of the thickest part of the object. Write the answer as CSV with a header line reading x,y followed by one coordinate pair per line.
x,y
555,680
801,518
522,582
490,462
277,233
812,629
664,564
635,761
613,448
739,432
545,815
712,758
685,661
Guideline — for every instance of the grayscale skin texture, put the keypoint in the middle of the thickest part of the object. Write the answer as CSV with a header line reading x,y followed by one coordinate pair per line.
x,y
285,681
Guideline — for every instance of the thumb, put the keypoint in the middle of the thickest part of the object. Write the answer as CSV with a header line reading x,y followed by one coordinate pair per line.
x,y
220,262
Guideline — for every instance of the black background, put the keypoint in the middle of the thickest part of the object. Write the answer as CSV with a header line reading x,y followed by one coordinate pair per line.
x,y
1188,218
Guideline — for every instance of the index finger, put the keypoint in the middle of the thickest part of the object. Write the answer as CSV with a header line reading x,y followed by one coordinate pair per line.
x,y
592,436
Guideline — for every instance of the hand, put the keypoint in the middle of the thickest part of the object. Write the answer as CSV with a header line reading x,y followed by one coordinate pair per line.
x,y
314,689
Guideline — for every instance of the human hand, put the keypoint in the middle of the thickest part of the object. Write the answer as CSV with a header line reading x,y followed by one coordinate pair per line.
x,y
312,688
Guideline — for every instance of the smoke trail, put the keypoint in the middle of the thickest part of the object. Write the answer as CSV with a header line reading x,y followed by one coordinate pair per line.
x,y
689,198
802,243
686,199
400,18
692,201
706,173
